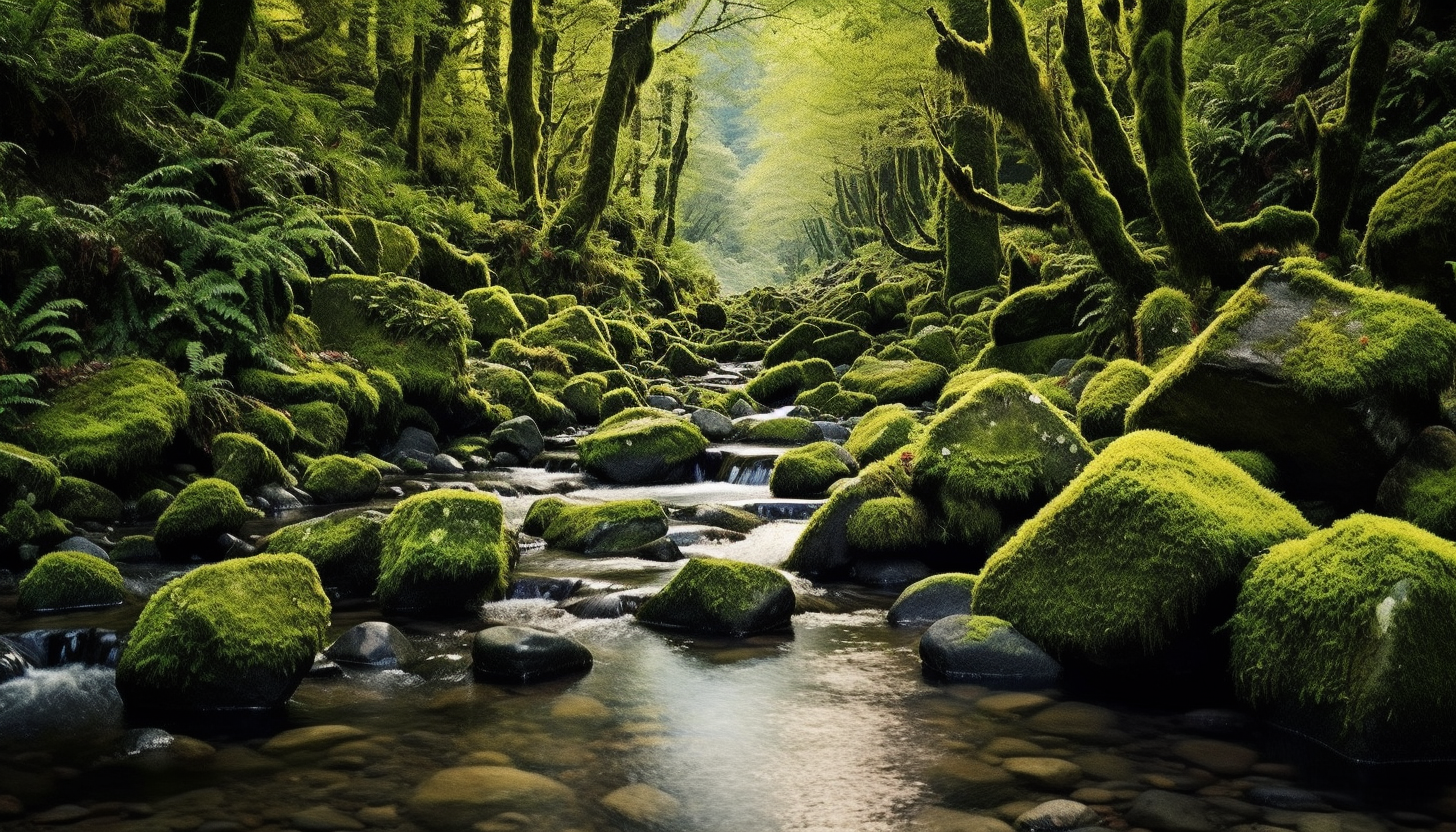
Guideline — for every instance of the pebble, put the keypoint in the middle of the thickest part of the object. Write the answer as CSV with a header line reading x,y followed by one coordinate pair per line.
x,y
1094,795
379,815
65,813
457,797
312,738
1217,756
1056,815
323,819
1018,704
642,804
577,706
1011,747
941,819
1046,772
962,779
1104,766
1074,720
10,806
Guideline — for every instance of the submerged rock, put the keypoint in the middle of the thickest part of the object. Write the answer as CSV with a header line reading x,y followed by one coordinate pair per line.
x,y
373,644
987,651
455,799
519,655
721,596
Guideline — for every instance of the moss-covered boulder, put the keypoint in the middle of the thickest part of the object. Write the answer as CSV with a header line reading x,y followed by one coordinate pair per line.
x,y
780,384
824,548
1346,636
201,512
984,650
712,315
962,383
1328,379
24,524
906,382
779,430
935,344
1142,551
792,345
344,546
353,391
246,462
881,432
341,479
238,635
583,394
1045,309
113,422
642,445
681,361
710,595
596,529
449,269
1412,233
1102,409
841,347
1165,322
63,581
619,399
322,427
808,471
271,426
374,246
444,551
493,315
1421,487
832,399
1257,465
579,332
929,600
890,527
510,387
81,500
23,473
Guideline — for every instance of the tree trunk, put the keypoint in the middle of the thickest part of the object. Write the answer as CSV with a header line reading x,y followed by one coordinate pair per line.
x,y
416,139
546,96
361,44
522,104
675,169
973,238
214,50
628,69
490,65
391,94
667,93
634,180
167,27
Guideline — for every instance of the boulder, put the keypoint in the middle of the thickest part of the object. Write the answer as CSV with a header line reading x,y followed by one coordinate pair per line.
x,y
714,425
83,501
781,430
519,437
889,526
23,473
906,382
1330,380
583,394
344,546
238,635
247,463
62,581
726,597
519,655
1165,322
881,432
598,529
341,479
824,547
932,599
810,470
444,464
493,315
1141,551
1032,357
1102,409
641,445
322,427
83,546
831,398
781,383
1345,636
579,332
444,551
1044,309
681,361
201,512
1410,238
376,644
987,651
1421,488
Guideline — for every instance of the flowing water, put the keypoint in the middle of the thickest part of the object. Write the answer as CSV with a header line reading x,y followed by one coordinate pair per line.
x,y
828,727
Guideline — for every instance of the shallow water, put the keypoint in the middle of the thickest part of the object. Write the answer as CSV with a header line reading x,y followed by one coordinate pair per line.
x,y
828,727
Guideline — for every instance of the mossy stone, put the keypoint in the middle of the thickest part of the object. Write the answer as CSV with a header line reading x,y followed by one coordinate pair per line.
x,y
583,397
596,529
135,548
1102,410
152,503
1345,636
889,526
24,524
785,381
375,246
1041,310
1032,357
881,432
237,635
782,430
81,500
113,422
712,315
840,347
641,445
1412,233
824,548
808,471
272,427
338,384
681,361
23,473
510,387
581,333
69,580
983,649
246,462
1421,487
962,383
1257,465
932,599
711,595
201,512
832,399
340,479
344,546
906,382
1135,553
443,266
936,345
322,427
1055,391
793,345
444,551
1165,322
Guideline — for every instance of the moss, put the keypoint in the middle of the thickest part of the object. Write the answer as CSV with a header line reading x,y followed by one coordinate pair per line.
x,y
533,308
907,382
1347,633
343,546
493,315
681,361
919,323
1165,322
204,633
1412,231
272,427
886,301
832,399
247,463
513,353
341,479
810,470
23,473
881,432
785,381
823,547
447,268
960,384
314,382
1055,391
581,333
81,500
201,512
784,430
67,580
1256,465
561,303
1032,357
640,445
889,526
151,504
723,596
596,529
135,548
444,551
712,315
375,247
113,422
952,587
391,404
322,427
936,345
1127,557
618,399
793,345
629,341
1103,406
583,394
510,387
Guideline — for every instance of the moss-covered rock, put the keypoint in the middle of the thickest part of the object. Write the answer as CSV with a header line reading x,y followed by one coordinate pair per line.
x,y
935,344
1165,322
69,580
1412,233
598,528
793,345
1041,310
322,427
135,548
238,635
642,445
824,547
881,432
246,462
23,473
780,384
272,427
1257,465
834,400
579,332
629,341
493,315
712,315
840,347
1421,487
932,599
201,512
374,246
727,597
81,500
1032,357
810,470
344,546
982,649
906,382
113,422
960,384
341,479
24,524
447,268
510,387
1102,410
681,361
781,430
1346,636
889,526
1055,391
444,551
583,395
153,502
340,384
1328,379
1142,550
619,399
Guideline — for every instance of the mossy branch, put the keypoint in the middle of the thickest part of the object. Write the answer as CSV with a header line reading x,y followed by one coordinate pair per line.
x,y
962,183
914,254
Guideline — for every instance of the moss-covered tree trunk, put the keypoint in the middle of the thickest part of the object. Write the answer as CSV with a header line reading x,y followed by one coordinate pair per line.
x,y
1003,74
675,169
667,94
168,26
628,69
522,104
1341,146
1111,146
415,142
391,93
363,68
634,175
973,238
214,50
546,84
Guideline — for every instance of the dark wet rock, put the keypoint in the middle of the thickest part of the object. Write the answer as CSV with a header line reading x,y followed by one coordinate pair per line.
x,y
54,648
741,408
721,596
1062,367
311,739
1056,816
1165,811
932,599
506,460
414,441
324,668
611,605
1286,797
520,437
1216,722
662,549
233,546
985,650
889,572
551,589
445,464
63,814
373,644
82,545
725,517
1225,759
833,432
518,655
714,425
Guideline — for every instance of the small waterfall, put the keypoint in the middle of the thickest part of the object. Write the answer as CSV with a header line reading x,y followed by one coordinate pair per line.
x,y
745,468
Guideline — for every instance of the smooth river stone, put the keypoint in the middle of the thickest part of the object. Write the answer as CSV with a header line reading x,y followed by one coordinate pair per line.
x,y
941,819
1012,703
963,780
1055,816
1074,720
457,798
1222,758
644,805
1047,772
1012,747
312,738
324,819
